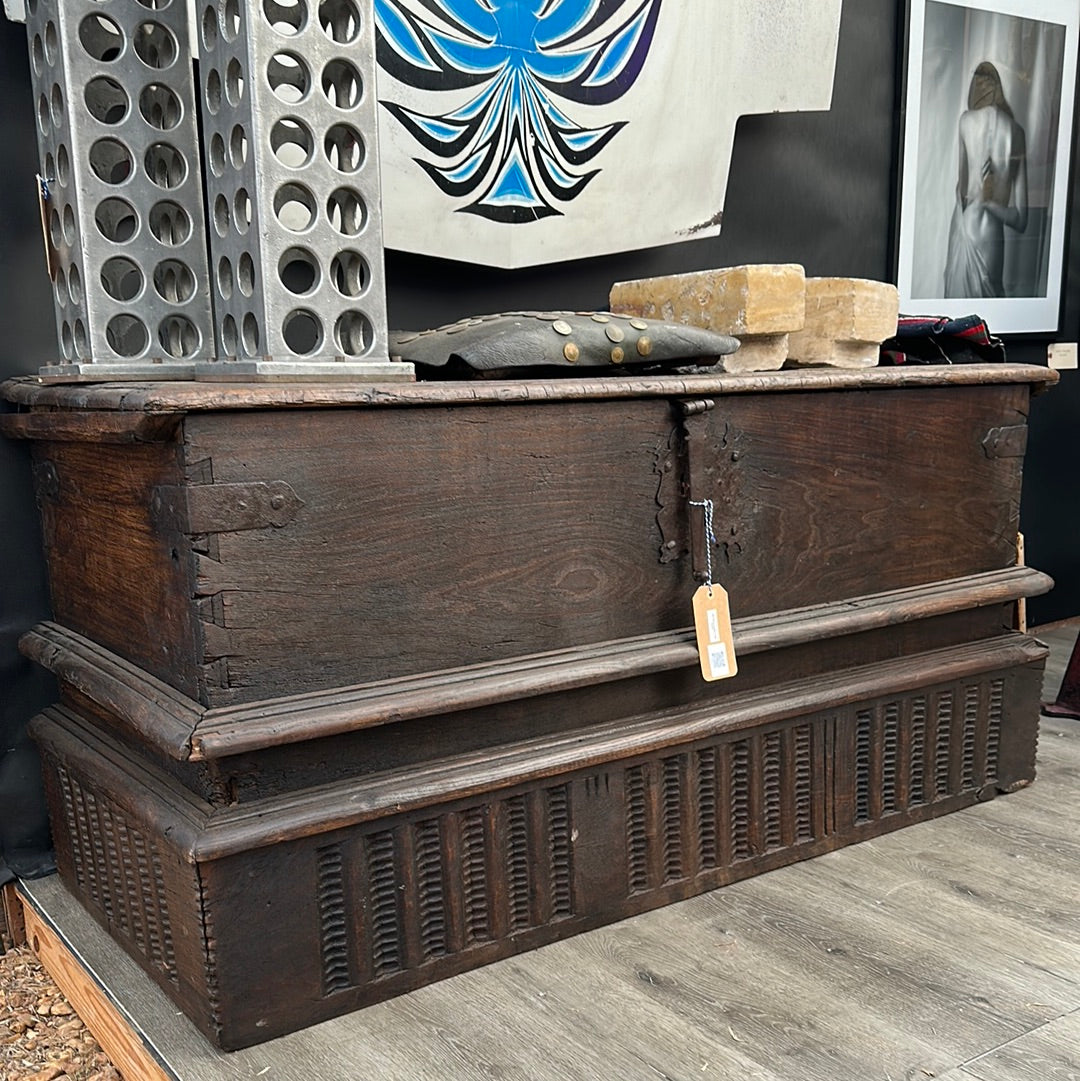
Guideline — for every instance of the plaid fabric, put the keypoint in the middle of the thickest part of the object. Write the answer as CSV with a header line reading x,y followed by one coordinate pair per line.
x,y
923,339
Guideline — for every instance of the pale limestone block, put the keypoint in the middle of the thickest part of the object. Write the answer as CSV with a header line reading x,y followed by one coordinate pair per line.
x,y
757,353
743,301
759,304
847,319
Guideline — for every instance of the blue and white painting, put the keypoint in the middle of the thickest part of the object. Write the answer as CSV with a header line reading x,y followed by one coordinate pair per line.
x,y
522,146
518,132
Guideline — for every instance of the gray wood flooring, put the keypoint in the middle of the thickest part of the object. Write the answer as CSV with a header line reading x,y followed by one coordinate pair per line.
x,y
948,950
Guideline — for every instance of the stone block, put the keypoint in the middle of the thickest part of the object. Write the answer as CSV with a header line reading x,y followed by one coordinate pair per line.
x,y
847,319
759,304
742,300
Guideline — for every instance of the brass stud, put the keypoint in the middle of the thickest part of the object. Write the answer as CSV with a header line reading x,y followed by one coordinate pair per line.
x,y
617,355
561,326
639,324
598,318
644,346
614,333
571,352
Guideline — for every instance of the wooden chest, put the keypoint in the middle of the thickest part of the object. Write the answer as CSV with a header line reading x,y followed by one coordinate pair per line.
x,y
363,686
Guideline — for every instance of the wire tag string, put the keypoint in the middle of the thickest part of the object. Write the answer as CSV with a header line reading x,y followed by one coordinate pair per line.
x,y
710,537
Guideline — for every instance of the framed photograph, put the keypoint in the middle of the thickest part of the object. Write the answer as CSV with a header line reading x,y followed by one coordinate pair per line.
x,y
991,87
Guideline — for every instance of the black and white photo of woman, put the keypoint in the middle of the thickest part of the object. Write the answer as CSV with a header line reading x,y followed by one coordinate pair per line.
x,y
991,190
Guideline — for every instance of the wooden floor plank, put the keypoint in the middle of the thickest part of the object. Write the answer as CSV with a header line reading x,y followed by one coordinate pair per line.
x,y
1050,1053
895,977
129,1052
726,984
920,894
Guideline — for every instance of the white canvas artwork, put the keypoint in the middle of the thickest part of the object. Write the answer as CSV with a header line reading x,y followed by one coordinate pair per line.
x,y
520,132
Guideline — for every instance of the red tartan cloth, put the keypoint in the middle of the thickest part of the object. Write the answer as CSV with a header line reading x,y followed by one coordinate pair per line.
x,y
924,339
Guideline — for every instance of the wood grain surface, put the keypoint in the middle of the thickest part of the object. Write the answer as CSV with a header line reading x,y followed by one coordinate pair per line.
x,y
185,397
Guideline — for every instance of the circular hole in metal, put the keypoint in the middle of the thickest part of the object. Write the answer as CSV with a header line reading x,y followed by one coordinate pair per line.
x,y
116,220
302,331
50,167
222,218
179,336
344,148
346,210
101,37
238,146
250,334
174,281
295,207
155,45
225,277
154,5
106,100
288,77
160,106
169,222
292,142
56,105
340,20
44,122
213,91
230,20
354,334
349,273
245,274
31,7
234,82
63,165
67,345
121,278
342,84
287,17
60,288
69,224
111,161
82,341
298,270
75,289
229,337
127,335
242,211
165,165
52,42
56,230
217,154
210,27
37,55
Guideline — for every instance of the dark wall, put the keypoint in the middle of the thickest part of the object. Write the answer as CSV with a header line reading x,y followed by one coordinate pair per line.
x,y
813,188
1050,508
27,328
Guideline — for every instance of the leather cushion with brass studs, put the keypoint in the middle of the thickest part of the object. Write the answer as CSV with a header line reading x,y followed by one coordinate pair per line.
x,y
570,341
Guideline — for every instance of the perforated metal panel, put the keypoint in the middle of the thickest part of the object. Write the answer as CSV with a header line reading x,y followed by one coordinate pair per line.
x,y
117,134
293,185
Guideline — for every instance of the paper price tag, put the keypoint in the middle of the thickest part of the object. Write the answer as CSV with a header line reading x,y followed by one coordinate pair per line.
x,y
712,622
52,258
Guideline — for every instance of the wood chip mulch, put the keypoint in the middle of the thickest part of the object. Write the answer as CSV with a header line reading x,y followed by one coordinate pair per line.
x,y
41,1038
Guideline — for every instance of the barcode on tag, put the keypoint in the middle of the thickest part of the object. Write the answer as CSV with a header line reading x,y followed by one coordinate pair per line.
x,y
719,667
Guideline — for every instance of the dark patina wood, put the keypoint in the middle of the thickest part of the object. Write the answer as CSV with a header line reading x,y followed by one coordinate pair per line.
x,y
407,668
559,519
